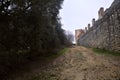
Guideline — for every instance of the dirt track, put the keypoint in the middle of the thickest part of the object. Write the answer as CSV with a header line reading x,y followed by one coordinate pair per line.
x,y
77,63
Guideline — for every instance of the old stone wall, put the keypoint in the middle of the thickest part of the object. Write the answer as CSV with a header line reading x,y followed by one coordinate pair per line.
x,y
105,33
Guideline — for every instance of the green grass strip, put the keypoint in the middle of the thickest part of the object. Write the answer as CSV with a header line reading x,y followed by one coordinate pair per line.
x,y
59,53
103,51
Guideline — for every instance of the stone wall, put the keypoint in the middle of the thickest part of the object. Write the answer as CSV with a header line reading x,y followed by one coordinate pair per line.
x,y
105,33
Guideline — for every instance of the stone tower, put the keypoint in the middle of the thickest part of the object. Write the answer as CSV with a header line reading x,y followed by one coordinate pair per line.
x,y
85,29
78,34
100,13
93,21
88,26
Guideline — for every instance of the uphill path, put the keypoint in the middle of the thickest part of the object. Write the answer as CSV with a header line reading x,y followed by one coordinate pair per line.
x,y
77,63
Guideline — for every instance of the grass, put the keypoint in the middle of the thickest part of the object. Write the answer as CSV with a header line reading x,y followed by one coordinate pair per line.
x,y
107,52
59,53
48,74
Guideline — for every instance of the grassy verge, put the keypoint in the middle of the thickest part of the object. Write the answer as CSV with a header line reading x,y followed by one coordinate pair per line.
x,y
102,51
59,53
50,73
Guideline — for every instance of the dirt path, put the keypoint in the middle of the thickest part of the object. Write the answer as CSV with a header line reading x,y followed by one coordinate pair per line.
x,y
78,63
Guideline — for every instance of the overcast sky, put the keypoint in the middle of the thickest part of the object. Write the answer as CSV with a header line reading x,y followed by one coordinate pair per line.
x,y
76,14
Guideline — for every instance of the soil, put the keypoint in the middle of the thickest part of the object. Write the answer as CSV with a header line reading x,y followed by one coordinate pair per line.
x,y
78,63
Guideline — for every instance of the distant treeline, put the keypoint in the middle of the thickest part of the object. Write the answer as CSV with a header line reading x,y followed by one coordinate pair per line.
x,y
29,28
